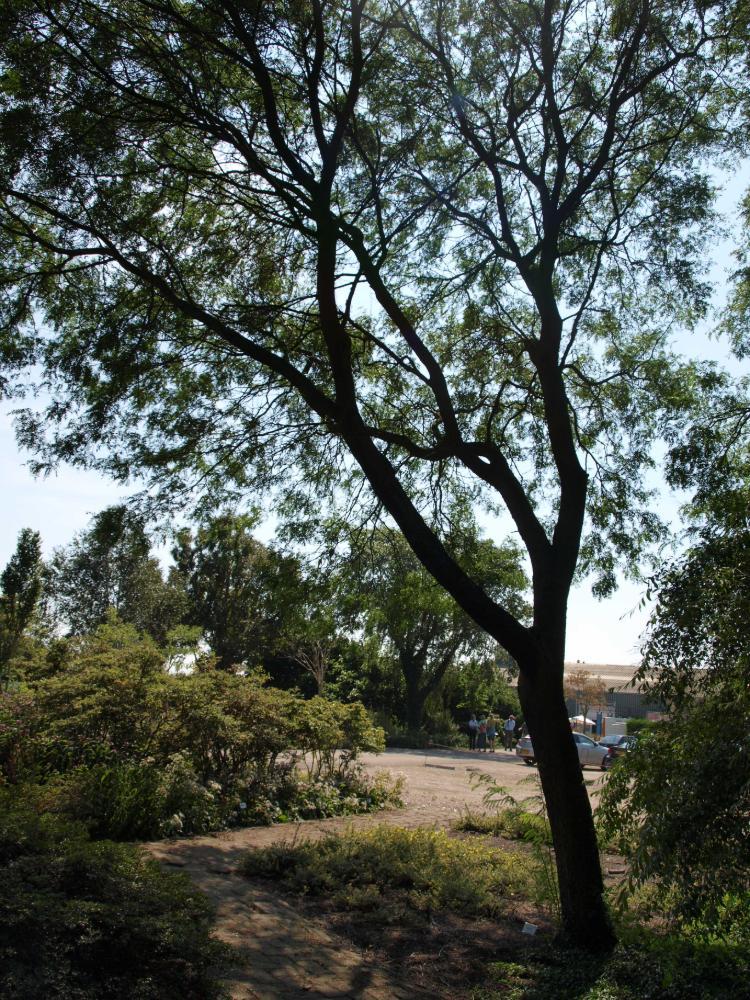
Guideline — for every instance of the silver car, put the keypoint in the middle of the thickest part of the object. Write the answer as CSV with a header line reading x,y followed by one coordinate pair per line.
x,y
589,752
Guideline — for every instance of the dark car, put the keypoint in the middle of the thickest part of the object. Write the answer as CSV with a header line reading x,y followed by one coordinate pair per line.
x,y
589,752
616,749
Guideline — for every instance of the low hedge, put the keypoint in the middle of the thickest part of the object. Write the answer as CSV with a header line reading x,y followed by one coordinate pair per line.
x,y
82,920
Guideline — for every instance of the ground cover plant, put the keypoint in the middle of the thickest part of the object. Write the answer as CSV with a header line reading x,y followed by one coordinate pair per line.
x,y
404,875
504,816
644,966
449,912
82,920
512,823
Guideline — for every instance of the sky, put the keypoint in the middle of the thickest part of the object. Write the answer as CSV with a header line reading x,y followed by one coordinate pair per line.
x,y
599,631
61,504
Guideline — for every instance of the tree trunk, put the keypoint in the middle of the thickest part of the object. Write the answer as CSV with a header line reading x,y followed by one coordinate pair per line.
x,y
415,699
585,921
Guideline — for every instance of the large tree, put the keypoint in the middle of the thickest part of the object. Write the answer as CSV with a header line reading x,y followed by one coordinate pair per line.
x,y
238,588
434,246
110,566
423,626
20,589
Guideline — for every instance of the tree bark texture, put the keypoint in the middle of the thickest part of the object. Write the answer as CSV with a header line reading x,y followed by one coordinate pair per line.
x,y
585,920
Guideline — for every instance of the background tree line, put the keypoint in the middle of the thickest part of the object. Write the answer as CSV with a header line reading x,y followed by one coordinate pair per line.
x,y
370,625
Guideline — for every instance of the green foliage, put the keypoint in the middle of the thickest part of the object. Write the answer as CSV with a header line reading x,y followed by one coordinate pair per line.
x,y
410,262
637,726
646,966
525,820
512,823
19,720
109,698
80,921
137,753
403,874
677,804
425,631
480,684
110,567
20,588
236,586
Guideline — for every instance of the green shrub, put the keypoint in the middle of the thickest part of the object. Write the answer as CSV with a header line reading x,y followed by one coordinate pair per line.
x,y
291,795
18,722
513,823
637,726
82,920
677,808
407,739
136,753
645,966
117,801
406,873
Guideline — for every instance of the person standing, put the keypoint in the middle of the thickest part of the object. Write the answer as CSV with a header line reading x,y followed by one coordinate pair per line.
x,y
482,735
508,728
473,726
491,733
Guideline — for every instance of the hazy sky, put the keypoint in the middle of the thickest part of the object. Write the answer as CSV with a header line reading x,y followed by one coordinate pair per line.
x,y
598,631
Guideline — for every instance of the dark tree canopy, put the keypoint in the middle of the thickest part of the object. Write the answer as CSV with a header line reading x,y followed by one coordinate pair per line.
x,y
424,627
238,588
432,247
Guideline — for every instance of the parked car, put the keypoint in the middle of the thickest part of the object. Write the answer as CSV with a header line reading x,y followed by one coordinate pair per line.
x,y
615,750
589,752
611,741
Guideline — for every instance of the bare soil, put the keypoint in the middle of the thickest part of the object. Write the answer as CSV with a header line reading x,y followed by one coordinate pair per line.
x,y
291,950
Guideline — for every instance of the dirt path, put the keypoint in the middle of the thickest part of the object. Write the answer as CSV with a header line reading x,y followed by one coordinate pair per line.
x,y
286,956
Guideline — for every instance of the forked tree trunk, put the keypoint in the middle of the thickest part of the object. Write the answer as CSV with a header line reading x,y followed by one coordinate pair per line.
x,y
585,921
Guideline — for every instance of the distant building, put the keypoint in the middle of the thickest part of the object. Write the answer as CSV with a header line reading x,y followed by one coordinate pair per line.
x,y
624,698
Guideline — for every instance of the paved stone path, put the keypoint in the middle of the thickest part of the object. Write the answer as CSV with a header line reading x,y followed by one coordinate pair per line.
x,y
286,956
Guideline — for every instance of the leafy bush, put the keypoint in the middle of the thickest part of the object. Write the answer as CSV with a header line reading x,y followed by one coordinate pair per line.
x,y
81,920
405,873
292,795
18,721
137,753
408,739
645,966
691,848
637,726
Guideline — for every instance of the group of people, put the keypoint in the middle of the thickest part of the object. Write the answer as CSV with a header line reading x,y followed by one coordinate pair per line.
x,y
483,732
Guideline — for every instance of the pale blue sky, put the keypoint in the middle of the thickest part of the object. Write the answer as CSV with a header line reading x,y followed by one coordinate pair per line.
x,y
62,504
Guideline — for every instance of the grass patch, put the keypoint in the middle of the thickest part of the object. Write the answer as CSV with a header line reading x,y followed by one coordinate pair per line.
x,y
512,823
402,875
